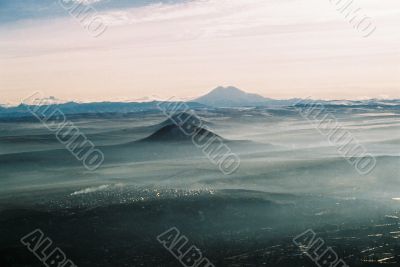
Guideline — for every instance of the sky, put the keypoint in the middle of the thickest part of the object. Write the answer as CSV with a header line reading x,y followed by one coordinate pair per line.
x,y
183,49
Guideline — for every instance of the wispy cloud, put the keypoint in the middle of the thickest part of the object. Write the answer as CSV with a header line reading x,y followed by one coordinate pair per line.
x,y
85,2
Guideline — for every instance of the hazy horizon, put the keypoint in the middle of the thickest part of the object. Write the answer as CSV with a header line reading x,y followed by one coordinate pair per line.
x,y
54,99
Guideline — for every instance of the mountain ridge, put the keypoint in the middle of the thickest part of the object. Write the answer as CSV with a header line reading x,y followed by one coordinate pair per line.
x,y
230,96
219,97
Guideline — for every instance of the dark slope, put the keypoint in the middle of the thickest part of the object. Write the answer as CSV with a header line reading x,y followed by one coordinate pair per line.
x,y
175,133
181,127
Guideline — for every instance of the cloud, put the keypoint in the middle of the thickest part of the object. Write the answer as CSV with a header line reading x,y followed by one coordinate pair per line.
x,y
222,18
84,2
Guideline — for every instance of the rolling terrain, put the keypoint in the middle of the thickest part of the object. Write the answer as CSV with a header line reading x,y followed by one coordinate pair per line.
x,y
290,179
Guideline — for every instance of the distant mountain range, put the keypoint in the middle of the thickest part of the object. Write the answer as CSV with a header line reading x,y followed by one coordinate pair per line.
x,y
219,97
233,97
94,108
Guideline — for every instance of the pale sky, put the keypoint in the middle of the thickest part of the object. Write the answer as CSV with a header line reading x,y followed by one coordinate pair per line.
x,y
276,48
